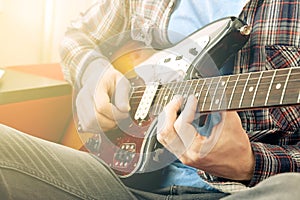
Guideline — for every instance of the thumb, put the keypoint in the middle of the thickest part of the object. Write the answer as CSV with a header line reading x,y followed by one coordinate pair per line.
x,y
122,91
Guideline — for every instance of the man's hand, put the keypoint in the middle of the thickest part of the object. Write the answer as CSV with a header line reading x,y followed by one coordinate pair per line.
x,y
108,113
225,153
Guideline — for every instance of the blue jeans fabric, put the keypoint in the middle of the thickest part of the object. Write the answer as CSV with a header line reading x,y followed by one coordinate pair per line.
x,y
32,168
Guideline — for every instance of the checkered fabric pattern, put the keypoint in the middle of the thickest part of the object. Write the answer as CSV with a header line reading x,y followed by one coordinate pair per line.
x,y
274,43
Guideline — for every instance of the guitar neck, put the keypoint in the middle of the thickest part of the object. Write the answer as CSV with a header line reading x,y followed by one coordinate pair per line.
x,y
272,88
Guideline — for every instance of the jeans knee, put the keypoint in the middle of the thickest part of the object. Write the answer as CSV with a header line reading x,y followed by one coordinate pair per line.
x,y
291,178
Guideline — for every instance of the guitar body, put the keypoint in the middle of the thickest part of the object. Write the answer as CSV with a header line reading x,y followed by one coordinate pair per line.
x,y
132,147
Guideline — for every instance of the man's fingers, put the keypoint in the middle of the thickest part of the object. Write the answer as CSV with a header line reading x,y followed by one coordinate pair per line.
x,y
168,117
105,123
183,125
121,100
110,111
108,115
187,115
104,107
167,135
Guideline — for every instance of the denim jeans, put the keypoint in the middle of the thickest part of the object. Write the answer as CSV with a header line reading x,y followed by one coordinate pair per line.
x,y
32,168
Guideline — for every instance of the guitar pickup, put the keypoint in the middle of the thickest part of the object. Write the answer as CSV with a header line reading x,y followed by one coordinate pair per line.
x,y
146,101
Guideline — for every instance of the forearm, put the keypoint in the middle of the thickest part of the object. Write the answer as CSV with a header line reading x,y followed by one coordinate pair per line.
x,y
82,42
74,63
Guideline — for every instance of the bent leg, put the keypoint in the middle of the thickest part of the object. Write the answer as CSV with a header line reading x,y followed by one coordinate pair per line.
x,y
281,186
32,168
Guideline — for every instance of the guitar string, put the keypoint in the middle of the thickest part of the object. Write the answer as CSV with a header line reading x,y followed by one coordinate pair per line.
x,y
194,81
293,87
136,100
168,86
220,106
283,75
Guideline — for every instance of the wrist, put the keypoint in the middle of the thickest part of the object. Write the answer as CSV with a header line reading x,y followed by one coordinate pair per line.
x,y
249,168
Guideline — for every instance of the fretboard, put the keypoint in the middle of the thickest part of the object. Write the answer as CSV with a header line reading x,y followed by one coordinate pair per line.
x,y
236,92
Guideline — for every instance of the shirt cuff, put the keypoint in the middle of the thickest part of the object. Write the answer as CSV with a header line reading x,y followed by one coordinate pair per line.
x,y
269,160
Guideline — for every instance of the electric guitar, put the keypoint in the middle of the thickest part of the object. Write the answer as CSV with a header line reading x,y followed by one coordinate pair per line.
x,y
189,67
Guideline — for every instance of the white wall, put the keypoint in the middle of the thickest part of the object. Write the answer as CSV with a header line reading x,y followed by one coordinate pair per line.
x,y
31,30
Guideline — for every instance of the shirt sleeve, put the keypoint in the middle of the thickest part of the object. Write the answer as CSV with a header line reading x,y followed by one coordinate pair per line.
x,y
274,159
80,45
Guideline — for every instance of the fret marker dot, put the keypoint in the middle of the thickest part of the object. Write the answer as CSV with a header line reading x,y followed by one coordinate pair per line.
x,y
166,98
217,101
197,94
278,86
251,89
223,83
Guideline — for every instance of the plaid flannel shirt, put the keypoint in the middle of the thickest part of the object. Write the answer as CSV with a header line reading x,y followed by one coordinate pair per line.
x,y
274,43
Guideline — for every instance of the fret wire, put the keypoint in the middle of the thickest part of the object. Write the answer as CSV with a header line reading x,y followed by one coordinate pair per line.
x,y
190,92
137,90
167,93
224,76
269,90
200,92
284,88
203,78
231,96
214,95
159,99
171,93
205,97
255,84
178,88
184,96
182,93
173,89
185,99
244,89
165,102
135,98
256,88
194,92
223,93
